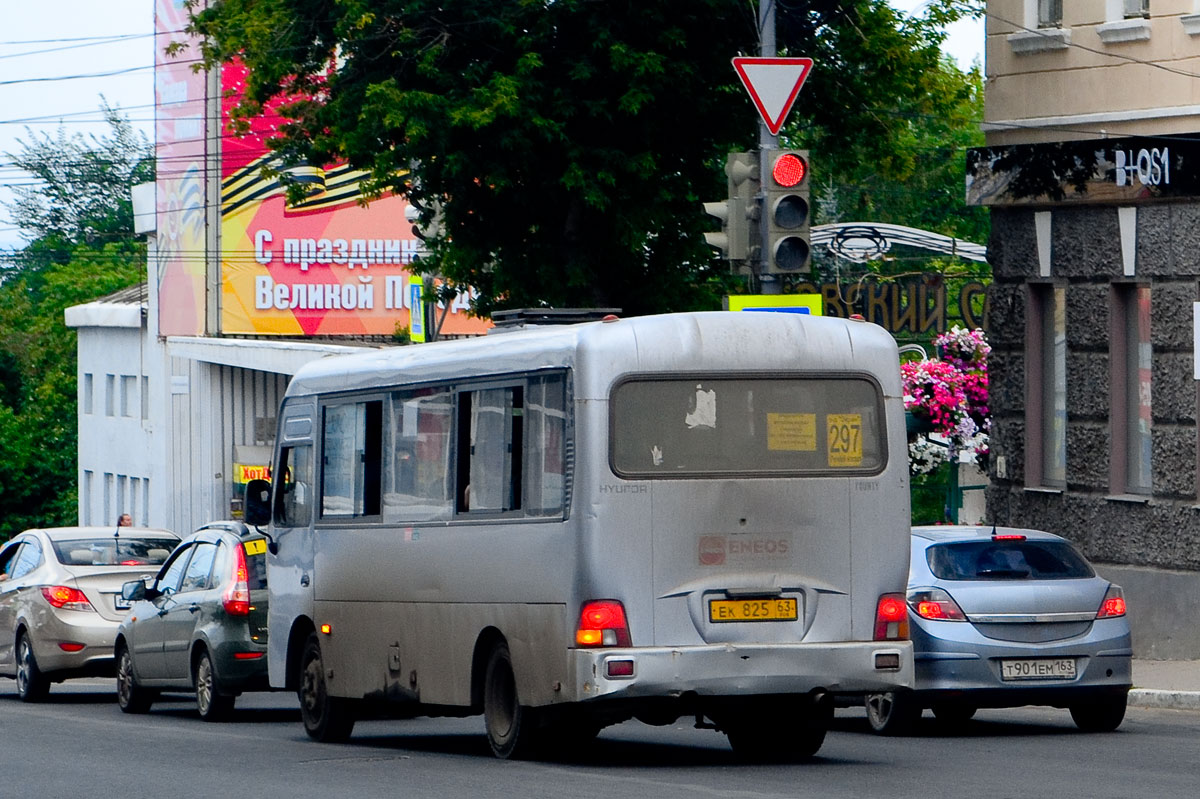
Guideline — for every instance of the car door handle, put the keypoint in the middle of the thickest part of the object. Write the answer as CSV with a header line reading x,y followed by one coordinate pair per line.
x,y
162,612
194,608
304,580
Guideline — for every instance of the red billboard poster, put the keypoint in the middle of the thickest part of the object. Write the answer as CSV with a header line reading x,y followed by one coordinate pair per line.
x,y
324,266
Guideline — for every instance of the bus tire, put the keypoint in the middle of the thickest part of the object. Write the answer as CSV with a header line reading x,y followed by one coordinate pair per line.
x,y
792,732
511,727
328,719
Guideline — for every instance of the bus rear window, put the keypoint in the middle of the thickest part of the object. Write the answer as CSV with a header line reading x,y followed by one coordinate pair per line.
x,y
694,427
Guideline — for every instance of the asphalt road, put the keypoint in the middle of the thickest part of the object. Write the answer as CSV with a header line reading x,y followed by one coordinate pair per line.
x,y
79,744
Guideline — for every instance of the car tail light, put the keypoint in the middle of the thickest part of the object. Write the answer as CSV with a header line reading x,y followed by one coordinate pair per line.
x,y
61,596
936,605
1113,604
602,623
891,618
1008,537
236,599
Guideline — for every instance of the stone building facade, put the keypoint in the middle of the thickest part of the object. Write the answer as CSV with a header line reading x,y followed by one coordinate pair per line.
x,y
1092,173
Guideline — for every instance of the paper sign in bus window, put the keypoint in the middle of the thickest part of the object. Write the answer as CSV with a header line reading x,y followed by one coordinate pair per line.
x,y
792,432
704,413
844,439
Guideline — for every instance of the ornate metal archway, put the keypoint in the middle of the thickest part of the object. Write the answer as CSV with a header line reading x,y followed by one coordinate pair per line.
x,y
868,241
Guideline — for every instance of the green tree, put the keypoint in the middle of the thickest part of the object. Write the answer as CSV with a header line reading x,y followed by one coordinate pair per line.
x,y
81,188
568,143
76,255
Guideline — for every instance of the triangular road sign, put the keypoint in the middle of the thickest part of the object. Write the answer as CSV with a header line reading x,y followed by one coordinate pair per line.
x,y
773,84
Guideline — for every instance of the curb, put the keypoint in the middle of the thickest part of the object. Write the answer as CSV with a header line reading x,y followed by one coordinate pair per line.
x,y
1153,697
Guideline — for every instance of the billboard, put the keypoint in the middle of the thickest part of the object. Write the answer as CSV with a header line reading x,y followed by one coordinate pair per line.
x,y
180,102
326,265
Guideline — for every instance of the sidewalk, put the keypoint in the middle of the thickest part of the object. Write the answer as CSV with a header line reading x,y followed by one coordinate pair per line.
x,y
1166,683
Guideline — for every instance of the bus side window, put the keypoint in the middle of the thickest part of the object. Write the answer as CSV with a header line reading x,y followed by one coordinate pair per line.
x,y
351,475
295,491
490,454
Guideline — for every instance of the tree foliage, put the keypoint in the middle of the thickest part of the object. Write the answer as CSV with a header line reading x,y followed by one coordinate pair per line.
x,y
568,143
81,188
58,269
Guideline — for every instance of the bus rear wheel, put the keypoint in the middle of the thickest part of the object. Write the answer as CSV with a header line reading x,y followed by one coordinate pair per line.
x,y
786,731
329,719
511,727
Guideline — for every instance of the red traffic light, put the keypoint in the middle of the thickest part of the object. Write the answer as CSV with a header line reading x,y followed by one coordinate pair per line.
x,y
789,170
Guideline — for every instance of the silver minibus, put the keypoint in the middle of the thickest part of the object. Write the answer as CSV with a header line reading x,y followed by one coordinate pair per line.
x,y
565,527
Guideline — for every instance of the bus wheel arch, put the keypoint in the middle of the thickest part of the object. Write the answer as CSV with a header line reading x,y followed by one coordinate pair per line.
x,y
302,628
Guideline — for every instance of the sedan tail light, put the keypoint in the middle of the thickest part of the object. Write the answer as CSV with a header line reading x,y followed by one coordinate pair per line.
x,y
236,599
891,618
1113,604
602,623
66,598
935,604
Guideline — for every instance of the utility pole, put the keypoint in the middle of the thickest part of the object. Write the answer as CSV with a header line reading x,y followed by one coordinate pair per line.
x,y
767,141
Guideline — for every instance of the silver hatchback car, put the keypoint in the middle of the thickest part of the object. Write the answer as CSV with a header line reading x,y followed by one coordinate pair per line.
x,y
1002,617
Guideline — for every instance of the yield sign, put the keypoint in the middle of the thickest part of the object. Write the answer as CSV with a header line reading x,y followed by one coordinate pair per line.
x,y
773,84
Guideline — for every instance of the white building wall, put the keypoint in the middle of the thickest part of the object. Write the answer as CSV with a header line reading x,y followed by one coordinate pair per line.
x,y
116,464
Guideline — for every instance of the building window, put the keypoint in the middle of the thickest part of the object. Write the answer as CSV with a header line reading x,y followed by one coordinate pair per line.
x,y
145,398
88,392
88,490
1049,13
1046,388
1132,412
1136,9
128,387
110,394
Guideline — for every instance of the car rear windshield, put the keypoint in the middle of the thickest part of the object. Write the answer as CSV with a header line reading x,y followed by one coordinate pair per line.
x,y
700,426
1007,560
114,551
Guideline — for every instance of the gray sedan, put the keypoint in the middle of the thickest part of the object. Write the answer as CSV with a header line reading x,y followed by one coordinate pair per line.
x,y
60,600
1002,617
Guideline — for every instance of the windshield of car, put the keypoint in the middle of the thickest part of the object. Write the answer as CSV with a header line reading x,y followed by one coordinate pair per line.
x,y
114,551
1007,560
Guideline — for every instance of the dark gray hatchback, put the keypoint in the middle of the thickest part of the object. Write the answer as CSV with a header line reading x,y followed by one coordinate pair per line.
x,y
199,625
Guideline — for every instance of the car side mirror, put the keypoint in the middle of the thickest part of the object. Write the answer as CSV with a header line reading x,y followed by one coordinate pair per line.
x,y
134,590
257,507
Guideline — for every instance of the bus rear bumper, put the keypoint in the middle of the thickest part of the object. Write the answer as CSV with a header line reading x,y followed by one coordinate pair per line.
x,y
742,670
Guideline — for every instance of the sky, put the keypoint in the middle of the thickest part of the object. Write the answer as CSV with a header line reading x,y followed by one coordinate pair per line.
x,y
47,48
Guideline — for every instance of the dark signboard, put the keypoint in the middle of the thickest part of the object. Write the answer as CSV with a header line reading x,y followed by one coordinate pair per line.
x,y
1128,169
906,308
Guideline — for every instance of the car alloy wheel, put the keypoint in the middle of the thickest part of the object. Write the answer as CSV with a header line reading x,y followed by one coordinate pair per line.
x,y
210,703
131,697
32,685
892,713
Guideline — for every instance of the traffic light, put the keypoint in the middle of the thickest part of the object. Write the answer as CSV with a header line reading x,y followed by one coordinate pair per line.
x,y
738,239
787,209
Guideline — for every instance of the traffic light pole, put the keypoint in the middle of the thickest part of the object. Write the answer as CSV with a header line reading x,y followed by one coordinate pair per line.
x,y
767,283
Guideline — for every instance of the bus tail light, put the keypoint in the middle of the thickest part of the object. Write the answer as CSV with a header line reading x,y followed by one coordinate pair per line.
x,y
1113,604
891,618
602,623
66,598
236,599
